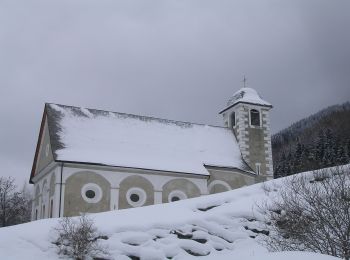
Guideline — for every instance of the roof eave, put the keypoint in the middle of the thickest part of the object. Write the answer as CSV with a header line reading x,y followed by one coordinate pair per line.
x,y
242,102
230,168
128,167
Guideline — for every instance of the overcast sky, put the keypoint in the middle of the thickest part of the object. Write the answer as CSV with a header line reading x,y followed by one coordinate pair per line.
x,y
179,59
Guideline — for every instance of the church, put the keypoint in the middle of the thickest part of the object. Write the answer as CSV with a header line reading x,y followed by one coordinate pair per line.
x,y
89,160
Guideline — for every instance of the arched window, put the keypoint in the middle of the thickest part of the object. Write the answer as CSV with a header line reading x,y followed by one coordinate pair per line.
x,y
233,119
51,208
43,212
254,117
258,166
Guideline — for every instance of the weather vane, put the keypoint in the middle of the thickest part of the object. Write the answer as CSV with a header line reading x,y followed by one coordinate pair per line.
x,y
244,81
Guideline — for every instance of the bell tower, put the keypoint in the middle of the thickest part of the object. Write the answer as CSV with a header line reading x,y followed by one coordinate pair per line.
x,y
247,114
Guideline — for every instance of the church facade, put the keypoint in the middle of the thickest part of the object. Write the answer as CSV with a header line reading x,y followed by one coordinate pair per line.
x,y
89,160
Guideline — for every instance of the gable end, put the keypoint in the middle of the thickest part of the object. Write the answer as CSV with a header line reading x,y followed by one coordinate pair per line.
x,y
43,152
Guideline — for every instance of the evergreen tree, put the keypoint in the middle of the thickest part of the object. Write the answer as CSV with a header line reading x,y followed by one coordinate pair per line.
x,y
348,148
283,169
341,157
329,149
289,164
320,147
298,157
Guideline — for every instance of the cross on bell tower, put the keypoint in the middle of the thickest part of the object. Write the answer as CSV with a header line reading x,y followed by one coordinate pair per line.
x,y
244,81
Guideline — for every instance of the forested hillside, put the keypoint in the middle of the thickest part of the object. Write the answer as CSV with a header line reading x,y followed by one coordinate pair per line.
x,y
318,141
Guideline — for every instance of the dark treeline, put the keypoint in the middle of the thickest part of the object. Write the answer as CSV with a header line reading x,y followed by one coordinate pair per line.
x,y
319,141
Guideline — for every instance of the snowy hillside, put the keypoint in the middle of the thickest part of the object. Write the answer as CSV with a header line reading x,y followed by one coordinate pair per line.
x,y
221,226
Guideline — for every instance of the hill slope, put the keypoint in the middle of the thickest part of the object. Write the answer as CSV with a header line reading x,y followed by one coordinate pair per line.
x,y
318,141
221,226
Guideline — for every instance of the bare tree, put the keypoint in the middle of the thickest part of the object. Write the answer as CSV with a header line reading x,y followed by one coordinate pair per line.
x,y
27,194
312,212
79,239
13,205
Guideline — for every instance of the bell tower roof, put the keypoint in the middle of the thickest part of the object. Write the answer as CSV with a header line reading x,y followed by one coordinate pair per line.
x,y
248,96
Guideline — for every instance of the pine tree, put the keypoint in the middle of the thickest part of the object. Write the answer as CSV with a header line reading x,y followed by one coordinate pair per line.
x,y
320,147
307,158
348,148
329,148
341,157
284,167
289,164
298,157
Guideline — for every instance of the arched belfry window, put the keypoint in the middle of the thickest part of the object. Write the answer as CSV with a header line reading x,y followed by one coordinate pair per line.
x,y
233,119
254,117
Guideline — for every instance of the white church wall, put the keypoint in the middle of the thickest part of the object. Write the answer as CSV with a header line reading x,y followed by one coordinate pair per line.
x,y
116,176
46,195
228,179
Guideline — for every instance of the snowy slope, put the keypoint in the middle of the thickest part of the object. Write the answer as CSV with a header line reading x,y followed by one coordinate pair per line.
x,y
220,226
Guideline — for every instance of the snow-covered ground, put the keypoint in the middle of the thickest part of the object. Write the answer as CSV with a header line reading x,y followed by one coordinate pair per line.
x,y
221,226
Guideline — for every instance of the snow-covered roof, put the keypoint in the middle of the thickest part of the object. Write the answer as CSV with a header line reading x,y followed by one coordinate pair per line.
x,y
246,95
125,140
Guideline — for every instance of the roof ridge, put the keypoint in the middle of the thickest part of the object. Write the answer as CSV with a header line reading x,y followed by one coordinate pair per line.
x,y
150,117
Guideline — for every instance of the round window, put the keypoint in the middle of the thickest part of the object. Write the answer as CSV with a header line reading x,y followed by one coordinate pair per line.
x,y
176,195
136,197
91,193
175,198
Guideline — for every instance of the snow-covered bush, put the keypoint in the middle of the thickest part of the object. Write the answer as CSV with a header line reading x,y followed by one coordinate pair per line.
x,y
79,239
312,212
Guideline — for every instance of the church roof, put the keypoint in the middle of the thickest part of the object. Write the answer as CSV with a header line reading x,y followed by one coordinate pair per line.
x,y
246,95
117,139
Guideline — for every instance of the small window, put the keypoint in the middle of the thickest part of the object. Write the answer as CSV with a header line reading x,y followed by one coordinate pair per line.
x,y
176,195
136,197
257,165
175,198
254,117
47,150
233,119
91,193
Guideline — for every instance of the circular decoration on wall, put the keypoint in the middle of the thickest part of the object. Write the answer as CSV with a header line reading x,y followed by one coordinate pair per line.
x,y
136,197
218,182
176,195
91,193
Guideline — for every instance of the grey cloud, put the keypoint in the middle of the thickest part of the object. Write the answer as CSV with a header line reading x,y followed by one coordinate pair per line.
x,y
173,59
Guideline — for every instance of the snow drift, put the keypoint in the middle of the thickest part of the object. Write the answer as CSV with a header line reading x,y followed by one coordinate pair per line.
x,y
221,226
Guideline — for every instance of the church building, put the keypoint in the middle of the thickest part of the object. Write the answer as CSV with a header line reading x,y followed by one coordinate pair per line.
x,y
89,160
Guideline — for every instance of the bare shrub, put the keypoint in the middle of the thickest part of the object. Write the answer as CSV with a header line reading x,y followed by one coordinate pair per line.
x,y
312,213
79,239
